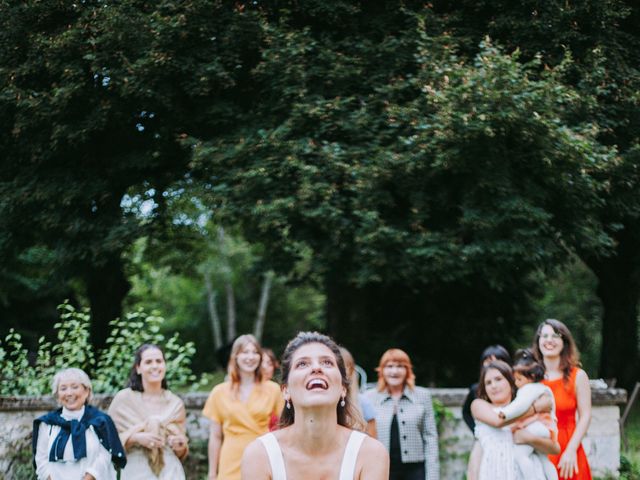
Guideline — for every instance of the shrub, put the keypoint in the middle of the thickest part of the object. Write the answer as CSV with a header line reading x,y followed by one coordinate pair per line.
x,y
109,368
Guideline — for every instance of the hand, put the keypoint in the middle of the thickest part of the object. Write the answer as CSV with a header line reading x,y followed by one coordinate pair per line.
x,y
212,476
148,440
178,443
88,476
543,404
568,464
521,436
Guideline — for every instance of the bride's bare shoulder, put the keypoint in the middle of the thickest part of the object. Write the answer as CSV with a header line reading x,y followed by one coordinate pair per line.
x,y
255,462
374,460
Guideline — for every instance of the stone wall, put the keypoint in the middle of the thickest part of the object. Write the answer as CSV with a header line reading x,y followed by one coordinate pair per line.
x,y
602,443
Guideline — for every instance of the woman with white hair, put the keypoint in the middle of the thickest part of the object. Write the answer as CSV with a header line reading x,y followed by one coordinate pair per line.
x,y
76,441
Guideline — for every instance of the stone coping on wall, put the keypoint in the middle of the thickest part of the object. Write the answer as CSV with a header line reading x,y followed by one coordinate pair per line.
x,y
449,397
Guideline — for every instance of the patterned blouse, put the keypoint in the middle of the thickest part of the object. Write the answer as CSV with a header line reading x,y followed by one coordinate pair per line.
x,y
417,425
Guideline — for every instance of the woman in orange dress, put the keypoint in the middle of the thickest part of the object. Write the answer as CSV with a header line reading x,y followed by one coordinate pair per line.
x,y
555,348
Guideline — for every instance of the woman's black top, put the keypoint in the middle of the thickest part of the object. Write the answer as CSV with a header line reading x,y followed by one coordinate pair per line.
x,y
395,455
466,408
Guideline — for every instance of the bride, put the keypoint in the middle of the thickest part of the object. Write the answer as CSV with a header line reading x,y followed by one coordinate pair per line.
x,y
316,439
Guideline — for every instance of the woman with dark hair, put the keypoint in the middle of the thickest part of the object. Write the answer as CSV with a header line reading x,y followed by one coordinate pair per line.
x,y
489,354
316,438
240,409
405,419
151,420
496,389
554,346
77,440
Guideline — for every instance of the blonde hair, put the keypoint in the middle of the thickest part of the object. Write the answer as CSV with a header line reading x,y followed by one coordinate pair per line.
x,y
232,367
398,356
76,374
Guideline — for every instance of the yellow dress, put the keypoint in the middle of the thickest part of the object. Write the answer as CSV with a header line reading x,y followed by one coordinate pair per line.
x,y
242,422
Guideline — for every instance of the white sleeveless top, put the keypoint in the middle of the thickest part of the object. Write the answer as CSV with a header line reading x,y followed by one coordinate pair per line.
x,y
347,469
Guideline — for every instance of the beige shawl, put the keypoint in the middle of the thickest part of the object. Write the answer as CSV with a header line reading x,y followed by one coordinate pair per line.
x,y
131,415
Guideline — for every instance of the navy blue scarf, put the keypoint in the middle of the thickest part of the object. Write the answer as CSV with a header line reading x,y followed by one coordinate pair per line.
x,y
76,429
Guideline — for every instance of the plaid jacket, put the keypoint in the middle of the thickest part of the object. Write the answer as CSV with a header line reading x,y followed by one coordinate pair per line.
x,y
417,425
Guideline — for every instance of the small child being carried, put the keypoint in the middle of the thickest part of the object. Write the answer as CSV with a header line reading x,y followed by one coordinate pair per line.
x,y
528,374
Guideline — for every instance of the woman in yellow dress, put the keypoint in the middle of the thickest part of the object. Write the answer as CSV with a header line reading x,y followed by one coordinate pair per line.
x,y
239,409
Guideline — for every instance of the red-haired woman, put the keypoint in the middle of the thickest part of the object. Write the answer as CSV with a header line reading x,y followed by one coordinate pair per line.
x,y
554,346
405,420
239,409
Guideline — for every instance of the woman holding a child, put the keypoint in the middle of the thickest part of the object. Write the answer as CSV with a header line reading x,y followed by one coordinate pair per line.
x,y
496,390
549,370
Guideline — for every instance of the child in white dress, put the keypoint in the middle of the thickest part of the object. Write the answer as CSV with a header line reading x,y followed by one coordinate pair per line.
x,y
528,374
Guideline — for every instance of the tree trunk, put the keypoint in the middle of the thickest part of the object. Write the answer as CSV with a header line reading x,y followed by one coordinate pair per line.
x,y
619,296
228,286
619,290
213,312
107,286
262,307
231,312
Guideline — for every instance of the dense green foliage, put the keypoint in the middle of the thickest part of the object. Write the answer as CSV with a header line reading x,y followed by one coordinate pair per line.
x,y
94,101
604,42
430,189
109,370
423,167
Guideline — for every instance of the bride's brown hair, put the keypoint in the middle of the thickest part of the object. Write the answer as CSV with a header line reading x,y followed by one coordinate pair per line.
x,y
348,416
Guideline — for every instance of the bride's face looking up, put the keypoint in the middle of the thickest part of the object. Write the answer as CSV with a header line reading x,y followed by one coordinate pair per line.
x,y
314,378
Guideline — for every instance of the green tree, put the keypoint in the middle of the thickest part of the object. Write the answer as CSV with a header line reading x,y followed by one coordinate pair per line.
x,y
94,100
604,42
428,188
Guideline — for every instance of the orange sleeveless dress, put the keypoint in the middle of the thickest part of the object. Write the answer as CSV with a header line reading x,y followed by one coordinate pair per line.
x,y
566,404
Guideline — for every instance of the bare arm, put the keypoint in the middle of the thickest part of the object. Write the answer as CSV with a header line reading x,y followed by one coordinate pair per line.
x,y
215,442
374,459
544,403
547,446
255,463
568,463
484,411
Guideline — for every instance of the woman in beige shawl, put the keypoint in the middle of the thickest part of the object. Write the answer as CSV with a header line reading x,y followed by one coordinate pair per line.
x,y
150,420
